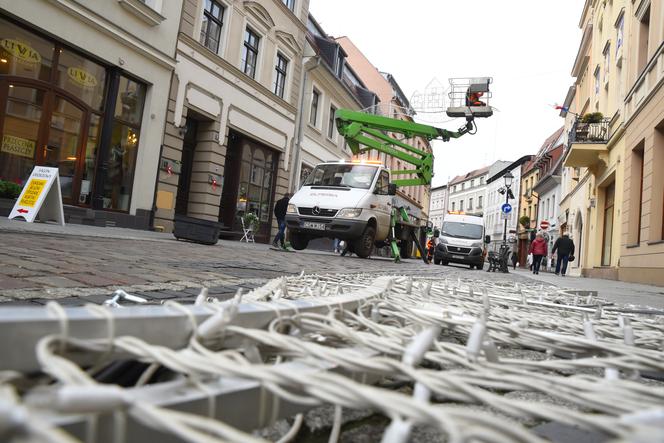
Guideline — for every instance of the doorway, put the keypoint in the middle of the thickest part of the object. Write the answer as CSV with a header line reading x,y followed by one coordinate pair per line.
x,y
249,182
607,231
41,127
187,164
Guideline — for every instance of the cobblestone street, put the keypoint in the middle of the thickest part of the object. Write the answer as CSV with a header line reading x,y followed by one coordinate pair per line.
x,y
80,264
74,267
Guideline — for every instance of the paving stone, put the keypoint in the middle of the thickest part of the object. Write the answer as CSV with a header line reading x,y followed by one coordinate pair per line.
x,y
54,281
64,301
92,279
5,301
16,271
124,279
16,283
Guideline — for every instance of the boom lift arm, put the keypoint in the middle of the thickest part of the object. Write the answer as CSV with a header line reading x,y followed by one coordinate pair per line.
x,y
366,132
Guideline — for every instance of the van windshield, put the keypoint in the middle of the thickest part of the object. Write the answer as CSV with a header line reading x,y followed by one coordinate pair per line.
x,y
342,175
462,230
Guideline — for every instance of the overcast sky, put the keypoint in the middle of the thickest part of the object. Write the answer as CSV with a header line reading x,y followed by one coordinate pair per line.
x,y
527,46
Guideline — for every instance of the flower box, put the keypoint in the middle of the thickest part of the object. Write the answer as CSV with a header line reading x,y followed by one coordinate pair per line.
x,y
196,230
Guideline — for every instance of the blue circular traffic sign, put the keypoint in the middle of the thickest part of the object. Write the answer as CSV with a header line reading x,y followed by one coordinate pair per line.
x,y
506,208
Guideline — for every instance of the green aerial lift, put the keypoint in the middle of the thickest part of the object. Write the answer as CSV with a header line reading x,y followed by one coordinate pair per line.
x,y
366,132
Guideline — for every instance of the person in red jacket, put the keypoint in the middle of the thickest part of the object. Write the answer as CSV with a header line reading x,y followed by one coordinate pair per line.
x,y
539,250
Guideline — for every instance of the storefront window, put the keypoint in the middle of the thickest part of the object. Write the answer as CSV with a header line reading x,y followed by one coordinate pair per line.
x,y
82,77
121,161
121,155
23,54
91,147
53,116
256,176
23,112
64,136
131,96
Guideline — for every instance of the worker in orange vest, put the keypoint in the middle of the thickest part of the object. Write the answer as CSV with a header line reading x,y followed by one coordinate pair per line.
x,y
431,244
473,98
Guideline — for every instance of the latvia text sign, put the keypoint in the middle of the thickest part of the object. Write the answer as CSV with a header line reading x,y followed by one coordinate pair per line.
x,y
40,196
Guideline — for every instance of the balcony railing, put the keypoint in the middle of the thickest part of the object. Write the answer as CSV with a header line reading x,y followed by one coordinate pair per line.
x,y
590,132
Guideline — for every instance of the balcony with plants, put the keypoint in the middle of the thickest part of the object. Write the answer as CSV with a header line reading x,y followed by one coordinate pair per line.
x,y
588,140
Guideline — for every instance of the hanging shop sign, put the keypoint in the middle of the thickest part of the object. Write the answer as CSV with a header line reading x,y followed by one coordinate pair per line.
x,y
17,146
81,77
21,51
41,197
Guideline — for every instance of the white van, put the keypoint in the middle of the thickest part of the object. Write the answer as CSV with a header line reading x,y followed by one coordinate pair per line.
x,y
461,240
351,201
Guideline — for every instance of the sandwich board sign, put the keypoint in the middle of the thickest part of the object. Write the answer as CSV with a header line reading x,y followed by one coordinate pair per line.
x,y
41,197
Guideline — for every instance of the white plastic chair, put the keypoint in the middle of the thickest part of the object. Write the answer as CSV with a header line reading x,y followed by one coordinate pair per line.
x,y
248,232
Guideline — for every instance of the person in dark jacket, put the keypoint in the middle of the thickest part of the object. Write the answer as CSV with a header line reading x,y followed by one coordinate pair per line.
x,y
280,209
565,247
539,249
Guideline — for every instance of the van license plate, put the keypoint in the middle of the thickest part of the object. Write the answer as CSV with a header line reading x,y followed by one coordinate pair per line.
x,y
458,257
312,225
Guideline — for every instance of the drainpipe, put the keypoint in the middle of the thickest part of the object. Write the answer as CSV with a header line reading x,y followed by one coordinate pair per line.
x,y
299,123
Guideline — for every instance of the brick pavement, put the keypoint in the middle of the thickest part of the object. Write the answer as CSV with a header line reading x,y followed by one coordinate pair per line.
x,y
77,264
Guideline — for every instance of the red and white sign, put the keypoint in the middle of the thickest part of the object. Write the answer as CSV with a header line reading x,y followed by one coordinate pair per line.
x,y
544,224
41,197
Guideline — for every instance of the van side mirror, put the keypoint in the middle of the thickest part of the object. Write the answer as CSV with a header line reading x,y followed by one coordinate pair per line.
x,y
391,189
487,239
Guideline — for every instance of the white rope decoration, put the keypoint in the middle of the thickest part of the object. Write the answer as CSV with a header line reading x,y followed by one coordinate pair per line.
x,y
463,341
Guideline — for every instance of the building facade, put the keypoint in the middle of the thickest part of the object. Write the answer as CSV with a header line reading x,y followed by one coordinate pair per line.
x,y
438,206
530,200
84,88
232,109
467,192
548,190
495,198
596,138
329,84
641,223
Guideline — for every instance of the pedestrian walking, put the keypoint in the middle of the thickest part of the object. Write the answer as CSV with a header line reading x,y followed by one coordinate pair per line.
x,y
280,209
539,250
565,247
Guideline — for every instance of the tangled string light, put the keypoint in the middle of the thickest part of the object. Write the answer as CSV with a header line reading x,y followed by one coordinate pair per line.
x,y
532,353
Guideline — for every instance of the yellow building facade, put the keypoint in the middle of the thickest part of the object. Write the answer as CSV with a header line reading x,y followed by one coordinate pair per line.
x,y
592,205
642,242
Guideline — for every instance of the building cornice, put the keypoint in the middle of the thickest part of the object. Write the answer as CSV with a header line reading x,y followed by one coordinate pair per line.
x,y
581,58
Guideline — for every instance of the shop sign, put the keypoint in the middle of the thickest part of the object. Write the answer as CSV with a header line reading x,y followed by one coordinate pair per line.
x,y
18,146
41,197
82,77
22,51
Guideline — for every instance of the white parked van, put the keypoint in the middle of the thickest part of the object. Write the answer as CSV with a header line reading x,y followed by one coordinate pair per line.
x,y
461,240
351,201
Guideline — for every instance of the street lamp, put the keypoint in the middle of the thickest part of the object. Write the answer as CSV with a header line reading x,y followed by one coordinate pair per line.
x,y
508,184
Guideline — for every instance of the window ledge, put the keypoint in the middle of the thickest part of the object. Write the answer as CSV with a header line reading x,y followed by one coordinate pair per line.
x,y
142,11
315,128
633,246
656,242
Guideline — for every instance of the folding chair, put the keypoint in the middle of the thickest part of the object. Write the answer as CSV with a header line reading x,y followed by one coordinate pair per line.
x,y
248,232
